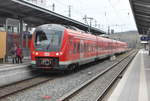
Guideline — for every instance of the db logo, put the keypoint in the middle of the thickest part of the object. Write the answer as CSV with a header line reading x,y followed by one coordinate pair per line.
x,y
46,54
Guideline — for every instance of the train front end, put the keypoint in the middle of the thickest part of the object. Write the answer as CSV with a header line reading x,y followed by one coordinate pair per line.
x,y
46,46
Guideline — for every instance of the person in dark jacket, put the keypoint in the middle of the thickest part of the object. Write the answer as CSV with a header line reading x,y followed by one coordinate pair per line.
x,y
19,54
13,54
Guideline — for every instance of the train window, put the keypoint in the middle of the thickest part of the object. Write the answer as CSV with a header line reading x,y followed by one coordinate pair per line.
x,y
88,48
48,40
78,48
71,47
70,41
81,48
93,48
75,48
85,47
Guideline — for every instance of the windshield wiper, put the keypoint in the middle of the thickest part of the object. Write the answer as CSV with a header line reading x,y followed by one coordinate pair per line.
x,y
48,46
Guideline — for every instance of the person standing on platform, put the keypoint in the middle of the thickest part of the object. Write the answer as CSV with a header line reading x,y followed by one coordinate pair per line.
x,y
13,54
19,55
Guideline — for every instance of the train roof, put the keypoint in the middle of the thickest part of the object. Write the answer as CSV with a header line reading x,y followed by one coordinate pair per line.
x,y
91,36
80,33
59,27
74,30
51,26
110,40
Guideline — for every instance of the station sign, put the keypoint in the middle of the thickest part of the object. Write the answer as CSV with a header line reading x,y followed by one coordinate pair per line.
x,y
145,38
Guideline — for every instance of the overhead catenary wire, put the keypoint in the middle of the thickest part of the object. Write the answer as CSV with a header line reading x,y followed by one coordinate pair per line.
x,y
118,13
78,10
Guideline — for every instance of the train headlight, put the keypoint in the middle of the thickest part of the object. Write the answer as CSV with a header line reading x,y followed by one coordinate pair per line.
x,y
57,54
36,53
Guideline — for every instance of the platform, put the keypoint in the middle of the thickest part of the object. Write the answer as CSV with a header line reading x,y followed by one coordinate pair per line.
x,y
11,73
9,64
134,85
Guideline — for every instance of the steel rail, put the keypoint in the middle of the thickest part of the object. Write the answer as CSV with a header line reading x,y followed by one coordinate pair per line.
x,y
99,98
69,95
19,86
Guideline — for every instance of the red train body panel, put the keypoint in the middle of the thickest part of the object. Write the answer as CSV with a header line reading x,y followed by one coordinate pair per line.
x,y
56,47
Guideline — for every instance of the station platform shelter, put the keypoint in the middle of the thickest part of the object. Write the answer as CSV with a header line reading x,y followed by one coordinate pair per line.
x,y
134,85
10,36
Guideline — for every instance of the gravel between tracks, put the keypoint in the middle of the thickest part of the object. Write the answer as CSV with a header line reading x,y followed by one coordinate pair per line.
x,y
97,87
58,87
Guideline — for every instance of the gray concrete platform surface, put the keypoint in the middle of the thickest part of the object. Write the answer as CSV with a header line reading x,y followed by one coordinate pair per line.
x,y
11,73
134,85
8,63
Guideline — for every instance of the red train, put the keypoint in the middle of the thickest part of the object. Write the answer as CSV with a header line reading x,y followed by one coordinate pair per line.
x,y
57,47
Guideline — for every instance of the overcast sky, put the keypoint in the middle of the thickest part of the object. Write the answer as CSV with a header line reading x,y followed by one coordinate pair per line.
x,y
114,13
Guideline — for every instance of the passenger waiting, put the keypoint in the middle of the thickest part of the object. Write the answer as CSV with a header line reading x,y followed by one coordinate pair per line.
x,y
19,55
13,54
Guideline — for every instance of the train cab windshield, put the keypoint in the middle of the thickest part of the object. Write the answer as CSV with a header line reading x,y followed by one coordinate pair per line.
x,y
48,40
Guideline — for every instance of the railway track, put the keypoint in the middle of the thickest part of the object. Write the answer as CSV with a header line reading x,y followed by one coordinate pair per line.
x,y
25,84
22,85
123,63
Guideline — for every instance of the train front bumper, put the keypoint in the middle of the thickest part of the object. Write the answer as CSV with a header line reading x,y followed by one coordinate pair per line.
x,y
59,67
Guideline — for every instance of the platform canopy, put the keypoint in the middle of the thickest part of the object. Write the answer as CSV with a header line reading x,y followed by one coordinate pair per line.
x,y
32,14
141,11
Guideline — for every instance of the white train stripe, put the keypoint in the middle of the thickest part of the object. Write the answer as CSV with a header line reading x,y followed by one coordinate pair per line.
x,y
82,61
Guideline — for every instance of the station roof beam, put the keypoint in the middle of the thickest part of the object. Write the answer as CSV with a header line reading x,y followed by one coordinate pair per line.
x,y
141,12
36,15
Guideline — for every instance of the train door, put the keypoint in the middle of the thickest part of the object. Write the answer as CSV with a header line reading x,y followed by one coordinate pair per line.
x,y
81,49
